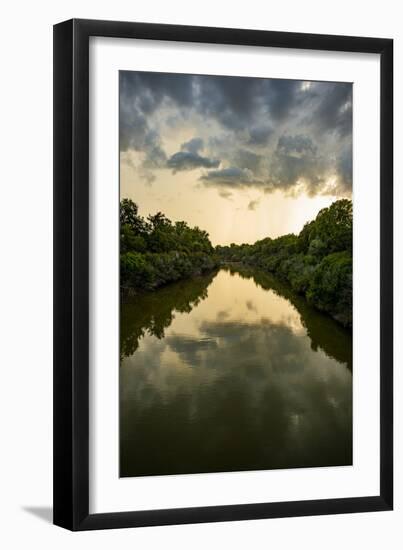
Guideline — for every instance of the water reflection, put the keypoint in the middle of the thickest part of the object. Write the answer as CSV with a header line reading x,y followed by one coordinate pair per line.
x,y
324,333
229,372
153,312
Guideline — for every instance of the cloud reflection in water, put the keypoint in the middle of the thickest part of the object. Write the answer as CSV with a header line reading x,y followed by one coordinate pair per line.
x,y
240,378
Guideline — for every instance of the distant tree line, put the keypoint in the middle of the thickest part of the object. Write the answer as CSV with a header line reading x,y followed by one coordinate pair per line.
x,y
155,251
317,263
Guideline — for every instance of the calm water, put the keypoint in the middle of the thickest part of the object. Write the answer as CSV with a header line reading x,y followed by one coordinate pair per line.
x,y
232,371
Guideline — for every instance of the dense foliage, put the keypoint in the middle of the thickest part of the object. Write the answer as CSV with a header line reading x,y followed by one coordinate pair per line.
x,y
155,251
317,263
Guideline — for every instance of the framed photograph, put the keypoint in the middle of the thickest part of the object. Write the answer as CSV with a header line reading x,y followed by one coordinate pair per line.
x,y
223,240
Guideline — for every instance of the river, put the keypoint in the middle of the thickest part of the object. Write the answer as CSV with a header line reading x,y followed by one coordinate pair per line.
x,y
231,371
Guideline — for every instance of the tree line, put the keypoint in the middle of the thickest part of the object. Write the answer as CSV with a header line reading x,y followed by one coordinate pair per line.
x,y
156,251
317,263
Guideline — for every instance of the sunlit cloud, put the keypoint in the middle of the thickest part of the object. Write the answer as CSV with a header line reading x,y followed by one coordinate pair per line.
x,y
198,137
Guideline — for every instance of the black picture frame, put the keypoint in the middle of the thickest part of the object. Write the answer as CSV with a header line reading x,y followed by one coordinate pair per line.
x,y
71,274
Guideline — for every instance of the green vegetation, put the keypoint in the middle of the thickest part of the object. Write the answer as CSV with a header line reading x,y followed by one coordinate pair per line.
x,y
155,251
317,263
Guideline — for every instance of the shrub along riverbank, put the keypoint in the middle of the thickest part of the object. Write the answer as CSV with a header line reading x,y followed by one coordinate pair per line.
x,y
155,251
317,263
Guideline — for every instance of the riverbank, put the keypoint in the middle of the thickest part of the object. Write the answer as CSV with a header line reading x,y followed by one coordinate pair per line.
x,y
156,251
336,302
148,272
317,263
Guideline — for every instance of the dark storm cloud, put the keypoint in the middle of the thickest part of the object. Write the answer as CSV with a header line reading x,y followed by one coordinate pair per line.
x,y
184,160
237,101
332,110
141,94
296,144
287,172
233,101
295,162
148,90
231,177
189,157
135,132
260,135
267,133
281,97
193,146
245,159
345,167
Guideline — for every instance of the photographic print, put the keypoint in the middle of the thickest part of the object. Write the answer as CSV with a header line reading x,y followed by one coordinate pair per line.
x,y
236,290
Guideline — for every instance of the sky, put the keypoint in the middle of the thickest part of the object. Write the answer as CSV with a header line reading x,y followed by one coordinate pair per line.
x,y
242,158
